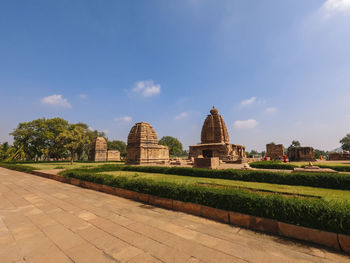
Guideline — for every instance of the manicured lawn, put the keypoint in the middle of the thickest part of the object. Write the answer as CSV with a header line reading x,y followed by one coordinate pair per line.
x,y
326,194
66,165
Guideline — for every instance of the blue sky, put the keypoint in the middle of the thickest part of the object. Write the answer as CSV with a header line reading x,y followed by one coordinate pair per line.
x,y
276,70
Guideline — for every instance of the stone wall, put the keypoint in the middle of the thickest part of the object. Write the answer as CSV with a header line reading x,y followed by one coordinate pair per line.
x,y
274,151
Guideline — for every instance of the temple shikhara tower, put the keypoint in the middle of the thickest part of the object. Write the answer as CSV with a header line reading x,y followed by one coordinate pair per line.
x,y
143,147
215,141
98,150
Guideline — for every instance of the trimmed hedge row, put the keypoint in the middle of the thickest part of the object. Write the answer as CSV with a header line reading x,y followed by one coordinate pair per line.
x,y
21,168
339,168
308,212
273,165
324,180
289,166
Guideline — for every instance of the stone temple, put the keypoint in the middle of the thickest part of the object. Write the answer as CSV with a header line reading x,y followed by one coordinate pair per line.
x,y
143,147
98,150
301,154
274,151
215,141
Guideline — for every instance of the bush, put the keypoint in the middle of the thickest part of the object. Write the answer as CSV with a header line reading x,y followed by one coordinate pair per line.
x,y
339,168
308,212
273,165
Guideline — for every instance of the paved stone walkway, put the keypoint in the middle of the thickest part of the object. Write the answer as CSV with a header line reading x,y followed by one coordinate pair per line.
x,y
42,220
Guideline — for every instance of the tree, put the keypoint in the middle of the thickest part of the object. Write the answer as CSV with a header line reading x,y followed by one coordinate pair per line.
x,y
175,146
345,142
73,139
117,145
318,153
30,137
295,144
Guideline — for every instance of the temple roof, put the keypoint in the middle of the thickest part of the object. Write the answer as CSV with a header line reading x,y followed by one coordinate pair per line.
x,y
142,133
214,129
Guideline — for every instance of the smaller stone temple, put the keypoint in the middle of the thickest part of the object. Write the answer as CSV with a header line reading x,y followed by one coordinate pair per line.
x,y
274,151
215,141
143,147
301,154
98,150
113,155
344,156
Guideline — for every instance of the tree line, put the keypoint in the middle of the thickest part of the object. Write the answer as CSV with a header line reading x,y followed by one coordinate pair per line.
x,y
53,139
57,139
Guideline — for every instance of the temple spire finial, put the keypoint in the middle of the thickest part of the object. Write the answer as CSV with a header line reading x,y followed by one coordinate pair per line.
x,y
214,111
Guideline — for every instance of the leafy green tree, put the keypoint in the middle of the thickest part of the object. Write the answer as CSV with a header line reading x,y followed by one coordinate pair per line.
x,y
117,145
73,139
345,142
29,136
319,153
295,144
84,150
175,146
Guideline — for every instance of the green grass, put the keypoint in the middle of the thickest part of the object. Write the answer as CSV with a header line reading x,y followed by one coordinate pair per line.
x,y
64,165
286,190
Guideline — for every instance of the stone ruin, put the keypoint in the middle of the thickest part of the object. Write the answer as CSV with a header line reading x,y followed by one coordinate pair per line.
x,y
215,141
99,152
274,151
344,156
143,147
301,154
209,163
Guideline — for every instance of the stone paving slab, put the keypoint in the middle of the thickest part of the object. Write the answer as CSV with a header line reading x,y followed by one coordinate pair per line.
x,y
42,220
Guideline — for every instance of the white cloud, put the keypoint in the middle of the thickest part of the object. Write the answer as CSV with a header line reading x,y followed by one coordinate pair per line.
x,y
146,88
56,100
271,110
181,115
246,124
124,119
331,7
83,96
248,101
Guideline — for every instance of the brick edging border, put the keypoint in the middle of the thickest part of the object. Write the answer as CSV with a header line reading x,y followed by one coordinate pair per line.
x,y
336,241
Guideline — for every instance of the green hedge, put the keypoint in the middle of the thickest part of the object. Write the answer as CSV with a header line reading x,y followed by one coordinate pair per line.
x,y
324,180
339,168
273,165
21,168
308,212
289,166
